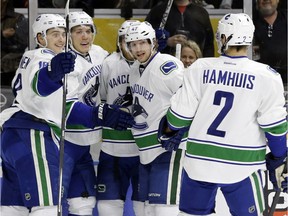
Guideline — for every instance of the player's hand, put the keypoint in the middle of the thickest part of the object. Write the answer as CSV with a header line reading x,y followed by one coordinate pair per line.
x,y
176,39
115,117
277,168
162,36
170,140
61,64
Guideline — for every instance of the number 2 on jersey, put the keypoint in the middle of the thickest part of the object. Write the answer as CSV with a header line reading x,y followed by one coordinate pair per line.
x,y
219,95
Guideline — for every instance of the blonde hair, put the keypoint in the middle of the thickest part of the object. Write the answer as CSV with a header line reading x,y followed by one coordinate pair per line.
x,y
194,46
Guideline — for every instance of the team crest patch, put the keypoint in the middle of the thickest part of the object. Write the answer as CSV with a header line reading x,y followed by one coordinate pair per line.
x,y
168,67
48,51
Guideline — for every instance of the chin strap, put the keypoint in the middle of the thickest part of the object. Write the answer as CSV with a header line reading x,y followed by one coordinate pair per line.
x,y
225,43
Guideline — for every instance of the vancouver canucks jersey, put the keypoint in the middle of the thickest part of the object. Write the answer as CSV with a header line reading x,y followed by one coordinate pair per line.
x,y
232,101
152,88
24,84
115,89
83,85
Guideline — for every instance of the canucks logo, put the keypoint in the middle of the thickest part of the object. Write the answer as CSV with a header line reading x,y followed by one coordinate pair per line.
x,y
124,100
90,95
168,67
139,110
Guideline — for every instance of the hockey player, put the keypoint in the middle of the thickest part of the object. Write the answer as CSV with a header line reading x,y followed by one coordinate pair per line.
x,y
154,78
83,86
233,104
29,139
119,156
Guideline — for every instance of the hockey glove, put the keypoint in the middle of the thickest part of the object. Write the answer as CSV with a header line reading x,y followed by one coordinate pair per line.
x,y
169,140
162,36
277,168
114,116
61,64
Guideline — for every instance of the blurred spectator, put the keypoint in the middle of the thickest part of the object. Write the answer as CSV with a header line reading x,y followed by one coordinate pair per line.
x,y
21,3
203,4
186,20
190,52
271,35
226,4
14,40
86,5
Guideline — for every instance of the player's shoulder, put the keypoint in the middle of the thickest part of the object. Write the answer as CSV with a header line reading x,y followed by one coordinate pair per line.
x,y
168,63
264,70
205,62
113,57
40,53
162,58
96,49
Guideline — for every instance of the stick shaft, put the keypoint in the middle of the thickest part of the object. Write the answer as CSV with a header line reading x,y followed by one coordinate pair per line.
x,y
178,51
274,203
166,14
63,120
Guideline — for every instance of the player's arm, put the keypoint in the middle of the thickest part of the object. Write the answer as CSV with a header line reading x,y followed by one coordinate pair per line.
x,y
272,117
276,160
169,138
102,115
49,78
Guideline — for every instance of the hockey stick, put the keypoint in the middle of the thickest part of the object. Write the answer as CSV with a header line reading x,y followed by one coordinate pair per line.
x,y
165,15
276,196
178,51
274,202
266,194
63,120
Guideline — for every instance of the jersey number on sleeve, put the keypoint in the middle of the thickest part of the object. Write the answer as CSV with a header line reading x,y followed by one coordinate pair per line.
x,y
229,97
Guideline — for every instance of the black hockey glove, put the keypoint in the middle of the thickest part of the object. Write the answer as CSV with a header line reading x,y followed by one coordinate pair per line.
x,y
114,116
277,168
171,140
61,64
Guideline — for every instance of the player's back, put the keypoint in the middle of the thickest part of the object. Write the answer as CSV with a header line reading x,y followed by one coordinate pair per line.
x,y
234,95
234,99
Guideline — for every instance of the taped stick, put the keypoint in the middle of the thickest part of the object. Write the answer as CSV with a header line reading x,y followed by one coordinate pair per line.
x,y
178,51
166,14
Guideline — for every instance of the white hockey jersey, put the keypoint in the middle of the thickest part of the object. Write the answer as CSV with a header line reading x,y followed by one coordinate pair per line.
x,y
152,89
83,85
48,108
230,100
115,89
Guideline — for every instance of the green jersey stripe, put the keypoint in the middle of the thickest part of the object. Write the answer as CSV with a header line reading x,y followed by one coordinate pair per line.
x,y
147,141
258,190
110,134
279,129
177,122
34,83
231,154
175,176
41,169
